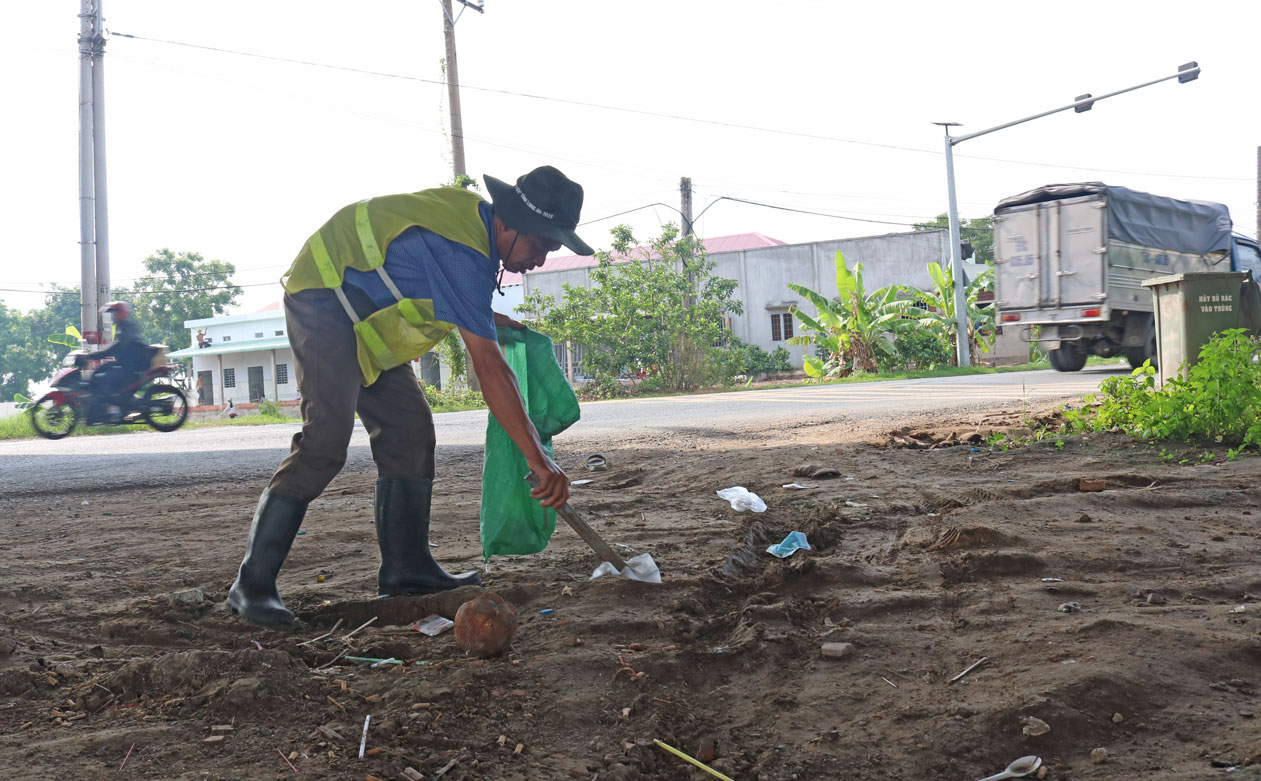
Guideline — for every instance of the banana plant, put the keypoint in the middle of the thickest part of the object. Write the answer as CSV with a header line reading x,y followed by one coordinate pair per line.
x,y
939,300
851,332
70,338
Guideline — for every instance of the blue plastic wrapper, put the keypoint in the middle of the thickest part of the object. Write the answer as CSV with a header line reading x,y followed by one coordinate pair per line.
x,y
794,542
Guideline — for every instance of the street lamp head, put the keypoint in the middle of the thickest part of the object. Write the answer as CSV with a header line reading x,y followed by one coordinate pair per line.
x,y
1188,72
949,124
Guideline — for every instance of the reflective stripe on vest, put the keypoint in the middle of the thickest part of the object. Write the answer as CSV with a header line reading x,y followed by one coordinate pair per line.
x,y
372,340
363,226
408,309
319,253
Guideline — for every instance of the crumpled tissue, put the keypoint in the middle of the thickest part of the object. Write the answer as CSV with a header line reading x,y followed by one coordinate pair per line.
x,y
742,498
641,568
794,542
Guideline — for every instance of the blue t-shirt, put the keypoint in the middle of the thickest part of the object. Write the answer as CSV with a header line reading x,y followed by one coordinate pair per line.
x,y
458,279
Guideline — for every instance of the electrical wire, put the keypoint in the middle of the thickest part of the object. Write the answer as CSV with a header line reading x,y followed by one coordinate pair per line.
x,y
663,115
144,292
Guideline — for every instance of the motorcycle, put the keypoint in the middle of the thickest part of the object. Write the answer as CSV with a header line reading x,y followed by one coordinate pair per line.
x,y
151,399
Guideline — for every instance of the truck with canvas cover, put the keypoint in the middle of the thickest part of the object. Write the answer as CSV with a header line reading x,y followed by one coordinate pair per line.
x,y
1070,260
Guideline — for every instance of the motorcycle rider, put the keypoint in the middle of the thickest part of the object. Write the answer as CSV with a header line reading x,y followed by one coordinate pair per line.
x,y
131,356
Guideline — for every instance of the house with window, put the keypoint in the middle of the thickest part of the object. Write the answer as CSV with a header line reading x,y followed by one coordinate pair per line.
x,y
241,358
244,358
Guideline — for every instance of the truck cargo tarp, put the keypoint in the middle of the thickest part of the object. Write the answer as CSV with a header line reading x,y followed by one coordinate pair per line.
x,y
1148,220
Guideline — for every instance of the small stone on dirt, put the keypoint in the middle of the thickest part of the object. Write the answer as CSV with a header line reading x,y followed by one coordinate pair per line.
x,y
188,597
1117,718
222,728
579,771
1084,518
1033,726
837,650
411,774
1091,485
573,641
213,739
707,751
1099,756
1069,607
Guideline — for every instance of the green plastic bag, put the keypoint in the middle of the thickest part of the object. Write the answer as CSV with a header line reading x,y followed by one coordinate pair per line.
x,y
513,523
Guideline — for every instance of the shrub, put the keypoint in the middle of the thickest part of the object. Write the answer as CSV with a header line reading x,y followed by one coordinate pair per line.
x,y
269,408
601,389
1219,400
920,350
452,399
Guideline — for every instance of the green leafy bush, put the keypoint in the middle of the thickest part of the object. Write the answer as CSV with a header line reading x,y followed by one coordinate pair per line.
x,y
452,399
919,349
602,388
269,408
749,359
1220,399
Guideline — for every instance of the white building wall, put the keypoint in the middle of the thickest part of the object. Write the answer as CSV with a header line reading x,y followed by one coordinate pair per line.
x,y
236,332
239,364
763,274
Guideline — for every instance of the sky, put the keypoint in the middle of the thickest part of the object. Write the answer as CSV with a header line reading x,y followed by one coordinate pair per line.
x,y
815,105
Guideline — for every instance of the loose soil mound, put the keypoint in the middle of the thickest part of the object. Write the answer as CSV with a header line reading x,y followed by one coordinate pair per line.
x,y
925,558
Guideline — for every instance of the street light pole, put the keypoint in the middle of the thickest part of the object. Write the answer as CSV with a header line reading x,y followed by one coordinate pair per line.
x,y
1188,72
963,351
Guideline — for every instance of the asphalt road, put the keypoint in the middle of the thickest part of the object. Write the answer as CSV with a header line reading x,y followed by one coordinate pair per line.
x,y
185,457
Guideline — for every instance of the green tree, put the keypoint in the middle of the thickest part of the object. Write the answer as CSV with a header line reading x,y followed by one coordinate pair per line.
x,y
978,232
655,311
60,309
23,357
178,287
850,333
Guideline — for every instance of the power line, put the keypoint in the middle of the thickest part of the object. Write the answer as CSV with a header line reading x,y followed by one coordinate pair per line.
x,y
663,115
144,292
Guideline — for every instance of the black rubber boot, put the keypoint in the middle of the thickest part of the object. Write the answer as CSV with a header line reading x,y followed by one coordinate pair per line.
x,y
254,596
402,519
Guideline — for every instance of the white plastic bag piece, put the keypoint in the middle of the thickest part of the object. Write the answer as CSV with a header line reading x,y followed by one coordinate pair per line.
x,y
742,499
641,568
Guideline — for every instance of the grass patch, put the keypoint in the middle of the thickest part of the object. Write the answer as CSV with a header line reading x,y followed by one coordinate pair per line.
x,y
19,426
952,371
1116,360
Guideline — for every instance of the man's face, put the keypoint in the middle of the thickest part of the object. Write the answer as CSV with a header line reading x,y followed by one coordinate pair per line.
x,y
523,251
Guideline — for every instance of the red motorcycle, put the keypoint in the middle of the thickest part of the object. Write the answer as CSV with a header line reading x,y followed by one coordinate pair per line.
x,y
151,399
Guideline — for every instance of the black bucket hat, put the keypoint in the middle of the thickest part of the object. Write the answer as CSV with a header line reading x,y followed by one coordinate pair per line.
x,y
543,203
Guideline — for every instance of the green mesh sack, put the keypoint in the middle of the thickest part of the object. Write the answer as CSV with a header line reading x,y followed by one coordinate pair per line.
x,y
513,523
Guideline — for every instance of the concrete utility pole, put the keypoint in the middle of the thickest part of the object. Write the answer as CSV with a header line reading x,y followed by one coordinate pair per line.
x,y
99,188
685,204
453,87
94,282
87,236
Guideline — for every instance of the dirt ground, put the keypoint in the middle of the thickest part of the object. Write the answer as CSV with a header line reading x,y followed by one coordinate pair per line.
x,y
115,649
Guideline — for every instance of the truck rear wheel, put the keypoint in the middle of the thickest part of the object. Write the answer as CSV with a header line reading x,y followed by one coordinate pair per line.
x,y
1138,355
1068,357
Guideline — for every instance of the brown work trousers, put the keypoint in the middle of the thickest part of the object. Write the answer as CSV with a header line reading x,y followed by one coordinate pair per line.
x,y
393,409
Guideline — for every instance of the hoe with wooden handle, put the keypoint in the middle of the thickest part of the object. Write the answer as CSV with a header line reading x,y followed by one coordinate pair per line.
x,y
588,534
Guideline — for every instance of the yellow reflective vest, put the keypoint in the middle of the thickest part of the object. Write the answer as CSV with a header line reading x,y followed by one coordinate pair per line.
x,y
357,237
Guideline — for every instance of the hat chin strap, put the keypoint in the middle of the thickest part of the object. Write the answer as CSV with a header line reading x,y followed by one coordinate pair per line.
x,y
502,268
